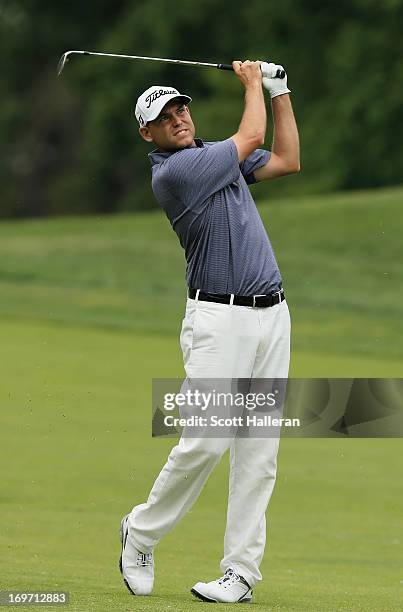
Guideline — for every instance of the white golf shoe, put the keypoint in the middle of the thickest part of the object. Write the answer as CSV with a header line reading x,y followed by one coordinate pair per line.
x,y
230,588
137,568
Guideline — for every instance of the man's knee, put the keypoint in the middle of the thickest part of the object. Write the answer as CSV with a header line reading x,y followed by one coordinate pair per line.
x,y
206,450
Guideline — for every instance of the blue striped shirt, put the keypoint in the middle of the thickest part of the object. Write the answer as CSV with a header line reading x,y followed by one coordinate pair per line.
x,y
205,195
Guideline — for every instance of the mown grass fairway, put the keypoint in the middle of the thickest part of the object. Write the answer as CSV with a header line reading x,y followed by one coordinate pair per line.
x,y
90,313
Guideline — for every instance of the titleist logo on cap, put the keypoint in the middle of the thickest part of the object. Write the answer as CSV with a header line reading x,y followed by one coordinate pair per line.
x,y
154,95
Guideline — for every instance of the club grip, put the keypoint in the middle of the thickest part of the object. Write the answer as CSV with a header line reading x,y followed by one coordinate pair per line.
x,y
225,67
280,74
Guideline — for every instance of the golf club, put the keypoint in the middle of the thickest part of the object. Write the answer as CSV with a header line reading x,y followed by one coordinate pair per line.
x,y
65,57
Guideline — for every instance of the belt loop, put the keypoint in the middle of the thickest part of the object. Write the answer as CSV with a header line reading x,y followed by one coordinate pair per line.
x,y
197,295
231,300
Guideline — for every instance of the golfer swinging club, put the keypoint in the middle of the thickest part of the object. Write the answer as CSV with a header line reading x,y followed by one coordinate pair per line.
x,y
236,324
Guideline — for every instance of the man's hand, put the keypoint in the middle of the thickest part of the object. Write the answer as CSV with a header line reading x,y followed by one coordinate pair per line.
x,y
276,87
249,73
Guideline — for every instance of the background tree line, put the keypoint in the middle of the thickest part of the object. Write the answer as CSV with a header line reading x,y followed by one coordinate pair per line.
x,y
70,144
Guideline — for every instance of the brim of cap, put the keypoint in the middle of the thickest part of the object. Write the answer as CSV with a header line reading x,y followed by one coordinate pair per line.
x,y
161,103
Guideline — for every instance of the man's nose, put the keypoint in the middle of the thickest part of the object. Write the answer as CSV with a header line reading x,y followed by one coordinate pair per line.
x,y
176,120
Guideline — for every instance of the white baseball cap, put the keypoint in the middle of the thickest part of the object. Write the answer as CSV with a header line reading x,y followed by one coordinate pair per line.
x,y
152,101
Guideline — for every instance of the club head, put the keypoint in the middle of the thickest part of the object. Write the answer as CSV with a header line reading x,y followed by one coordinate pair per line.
x,y
61,63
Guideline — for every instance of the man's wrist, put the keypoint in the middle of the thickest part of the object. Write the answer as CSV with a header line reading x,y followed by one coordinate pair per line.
x,y
254,85
280,98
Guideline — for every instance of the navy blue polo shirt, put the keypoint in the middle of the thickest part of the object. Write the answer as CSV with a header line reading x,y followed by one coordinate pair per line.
x,y
205,195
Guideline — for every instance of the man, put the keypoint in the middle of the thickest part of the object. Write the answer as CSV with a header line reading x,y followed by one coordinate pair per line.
x,y
236,323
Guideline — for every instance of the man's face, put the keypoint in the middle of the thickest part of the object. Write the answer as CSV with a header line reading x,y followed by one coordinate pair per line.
x,y
172,129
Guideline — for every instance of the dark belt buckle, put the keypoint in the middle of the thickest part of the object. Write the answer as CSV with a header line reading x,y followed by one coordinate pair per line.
x,y
254,299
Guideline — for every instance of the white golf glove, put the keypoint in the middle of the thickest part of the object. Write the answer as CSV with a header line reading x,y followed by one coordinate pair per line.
x,y
275,86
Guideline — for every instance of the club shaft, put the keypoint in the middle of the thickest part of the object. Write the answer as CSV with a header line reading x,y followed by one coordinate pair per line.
x,y
141,57
156,59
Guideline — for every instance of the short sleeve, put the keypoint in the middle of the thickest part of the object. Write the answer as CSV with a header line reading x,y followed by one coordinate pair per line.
x,y
257,159
196,173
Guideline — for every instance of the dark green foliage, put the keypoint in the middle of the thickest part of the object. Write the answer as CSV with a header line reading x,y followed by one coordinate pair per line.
x,y
70,144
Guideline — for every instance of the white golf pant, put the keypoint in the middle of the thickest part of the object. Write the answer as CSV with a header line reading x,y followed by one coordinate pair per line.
x,y
222,341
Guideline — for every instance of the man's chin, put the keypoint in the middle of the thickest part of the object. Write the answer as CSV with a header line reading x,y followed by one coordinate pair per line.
x,y
183,143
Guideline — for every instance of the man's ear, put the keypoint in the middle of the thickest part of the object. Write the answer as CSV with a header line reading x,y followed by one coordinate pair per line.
x,y
145,133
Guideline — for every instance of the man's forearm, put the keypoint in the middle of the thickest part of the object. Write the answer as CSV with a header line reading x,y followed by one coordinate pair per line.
x,y
253,122
252,129
285,132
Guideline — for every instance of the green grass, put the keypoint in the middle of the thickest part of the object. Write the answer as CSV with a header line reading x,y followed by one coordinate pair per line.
x,y
90,312
77,454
